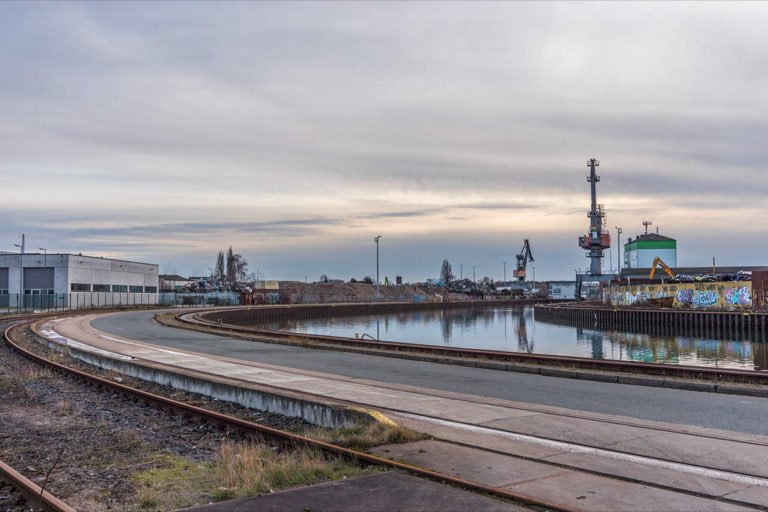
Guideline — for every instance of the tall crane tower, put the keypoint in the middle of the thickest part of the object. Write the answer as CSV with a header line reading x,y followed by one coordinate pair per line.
x,y
598,239
522,259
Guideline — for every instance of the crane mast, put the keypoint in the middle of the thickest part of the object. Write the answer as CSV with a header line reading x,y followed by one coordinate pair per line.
x,y
598,239
522,260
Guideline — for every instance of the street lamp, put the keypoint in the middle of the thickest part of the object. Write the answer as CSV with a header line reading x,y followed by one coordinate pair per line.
x,y
505,271
21,269
461,272
45,267
619,231
376,239
474,278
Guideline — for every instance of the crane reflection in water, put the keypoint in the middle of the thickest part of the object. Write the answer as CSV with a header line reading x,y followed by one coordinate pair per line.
x,y
515,329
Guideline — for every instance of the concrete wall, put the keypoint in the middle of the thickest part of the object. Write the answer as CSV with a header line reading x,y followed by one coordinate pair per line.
x,y
730,294
88,270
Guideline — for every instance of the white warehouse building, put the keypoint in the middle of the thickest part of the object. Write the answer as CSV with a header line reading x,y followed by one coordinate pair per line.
x,y
71,280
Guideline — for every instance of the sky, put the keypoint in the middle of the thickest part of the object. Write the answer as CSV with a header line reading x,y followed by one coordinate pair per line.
x,y
296,132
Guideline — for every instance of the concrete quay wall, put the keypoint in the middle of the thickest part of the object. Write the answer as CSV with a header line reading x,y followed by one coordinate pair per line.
x,y
250,316
739,323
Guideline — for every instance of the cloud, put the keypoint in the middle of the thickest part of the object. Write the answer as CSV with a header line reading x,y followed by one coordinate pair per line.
x,y
301,128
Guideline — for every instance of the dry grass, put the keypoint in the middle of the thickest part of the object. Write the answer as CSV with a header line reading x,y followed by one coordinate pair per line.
x,y
66,407
365,436
247,470
238,470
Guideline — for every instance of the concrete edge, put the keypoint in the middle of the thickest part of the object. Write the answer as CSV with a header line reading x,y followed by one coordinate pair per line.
x,y
326,414
547,371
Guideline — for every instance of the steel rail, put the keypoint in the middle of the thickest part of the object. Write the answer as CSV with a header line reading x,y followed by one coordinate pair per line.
x,y
32,492
248,426
698,372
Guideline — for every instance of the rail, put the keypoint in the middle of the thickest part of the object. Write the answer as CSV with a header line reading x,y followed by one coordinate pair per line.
x,y
271,432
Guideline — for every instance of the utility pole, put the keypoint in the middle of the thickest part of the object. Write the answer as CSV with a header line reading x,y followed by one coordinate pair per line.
x,y
376,239
619,255
21,270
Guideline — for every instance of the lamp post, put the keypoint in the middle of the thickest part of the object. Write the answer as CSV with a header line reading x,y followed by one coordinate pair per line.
x,y
474,278
21,270
461,271
619,231
45,274
376,239
505,272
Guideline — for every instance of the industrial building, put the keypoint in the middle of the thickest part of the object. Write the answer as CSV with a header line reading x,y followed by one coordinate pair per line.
x,y
640,252
60,280
562,290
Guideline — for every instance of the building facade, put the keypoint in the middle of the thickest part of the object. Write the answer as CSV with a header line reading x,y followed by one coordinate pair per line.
x,y
562,289
87,280
640,252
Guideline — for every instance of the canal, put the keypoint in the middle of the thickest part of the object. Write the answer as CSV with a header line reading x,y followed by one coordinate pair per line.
x,y
515,329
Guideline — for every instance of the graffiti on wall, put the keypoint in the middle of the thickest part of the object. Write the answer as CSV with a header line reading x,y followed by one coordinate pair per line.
x,y
706,298
696,295
739,295
685,296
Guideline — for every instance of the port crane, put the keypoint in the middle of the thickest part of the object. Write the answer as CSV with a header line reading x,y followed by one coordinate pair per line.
x,y
522,259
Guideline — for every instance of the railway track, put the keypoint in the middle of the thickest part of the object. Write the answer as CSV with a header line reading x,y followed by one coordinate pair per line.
x,y
251,428
36,498
691,469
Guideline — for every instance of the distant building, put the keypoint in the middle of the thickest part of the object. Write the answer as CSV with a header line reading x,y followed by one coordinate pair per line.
x,y
81,280
173,282
640,252
562,289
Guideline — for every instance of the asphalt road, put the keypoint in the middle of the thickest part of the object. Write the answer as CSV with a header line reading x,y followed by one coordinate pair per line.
x,y
728,412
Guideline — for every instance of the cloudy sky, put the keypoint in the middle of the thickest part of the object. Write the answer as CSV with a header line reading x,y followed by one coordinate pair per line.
x,y
296,132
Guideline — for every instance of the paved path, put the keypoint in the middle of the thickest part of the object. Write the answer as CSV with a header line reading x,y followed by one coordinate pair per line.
x,y
581,460
385,492
738,413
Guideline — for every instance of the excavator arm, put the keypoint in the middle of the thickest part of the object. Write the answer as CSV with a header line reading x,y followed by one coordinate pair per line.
x,y
659,262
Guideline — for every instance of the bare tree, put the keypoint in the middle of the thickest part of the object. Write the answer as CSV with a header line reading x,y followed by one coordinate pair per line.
x,y
219,269
231,272
445,272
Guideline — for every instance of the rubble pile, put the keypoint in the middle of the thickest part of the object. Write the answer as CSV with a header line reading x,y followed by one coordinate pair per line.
x,y
469,287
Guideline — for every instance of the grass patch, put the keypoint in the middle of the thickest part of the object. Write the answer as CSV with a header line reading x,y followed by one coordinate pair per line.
x,y
172,483
367,435
237,471
250,469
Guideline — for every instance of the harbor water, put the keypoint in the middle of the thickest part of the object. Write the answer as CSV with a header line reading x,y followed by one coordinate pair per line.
x,y
515,329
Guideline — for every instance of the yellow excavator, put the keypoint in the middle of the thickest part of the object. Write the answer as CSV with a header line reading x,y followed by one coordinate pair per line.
x,y
659,262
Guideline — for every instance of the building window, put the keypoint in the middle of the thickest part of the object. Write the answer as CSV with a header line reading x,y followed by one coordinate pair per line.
x,y
101,287
80,287
3,292
119,288
150,289
136,289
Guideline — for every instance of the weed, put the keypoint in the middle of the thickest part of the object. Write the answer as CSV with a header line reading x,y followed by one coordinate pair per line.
x,y
65,407
367,435
250,469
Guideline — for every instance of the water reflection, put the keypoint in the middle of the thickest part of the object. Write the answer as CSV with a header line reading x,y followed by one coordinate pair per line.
x,y
516,330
